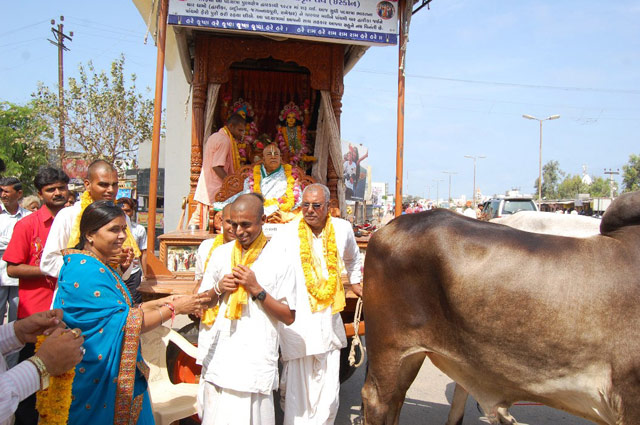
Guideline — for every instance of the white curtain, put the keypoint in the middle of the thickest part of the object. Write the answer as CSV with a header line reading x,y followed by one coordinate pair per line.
x,y
212,98
328,143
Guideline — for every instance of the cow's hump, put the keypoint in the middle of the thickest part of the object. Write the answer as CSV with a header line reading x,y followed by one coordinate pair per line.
x,y
623,211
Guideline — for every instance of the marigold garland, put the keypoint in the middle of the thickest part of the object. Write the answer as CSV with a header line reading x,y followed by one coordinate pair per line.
x,y
285,202
53,403
320,292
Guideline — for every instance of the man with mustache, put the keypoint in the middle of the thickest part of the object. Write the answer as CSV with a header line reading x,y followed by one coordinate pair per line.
x,y
35,289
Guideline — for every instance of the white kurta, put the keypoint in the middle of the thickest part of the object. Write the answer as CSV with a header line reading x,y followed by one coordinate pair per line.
x,y
58,238
311,346
243,354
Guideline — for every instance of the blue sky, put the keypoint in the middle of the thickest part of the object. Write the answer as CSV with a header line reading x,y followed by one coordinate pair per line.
x,y
473,69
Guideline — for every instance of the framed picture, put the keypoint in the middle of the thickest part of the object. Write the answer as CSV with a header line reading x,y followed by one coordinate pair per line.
x,y
179,256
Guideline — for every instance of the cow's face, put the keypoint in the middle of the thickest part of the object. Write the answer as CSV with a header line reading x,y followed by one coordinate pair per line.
x,y
315,207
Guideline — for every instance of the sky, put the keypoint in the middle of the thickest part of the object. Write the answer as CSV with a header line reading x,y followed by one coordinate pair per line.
x,y
473,69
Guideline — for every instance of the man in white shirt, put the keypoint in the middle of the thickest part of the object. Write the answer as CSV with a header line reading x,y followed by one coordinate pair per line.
x,y
101,184
241,362
310,347
139,233
59,352
10,213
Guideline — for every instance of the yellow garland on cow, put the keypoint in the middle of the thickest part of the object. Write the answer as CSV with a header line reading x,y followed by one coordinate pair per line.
x,y
322,292
53,403
239,297
74,238
288,198
210,314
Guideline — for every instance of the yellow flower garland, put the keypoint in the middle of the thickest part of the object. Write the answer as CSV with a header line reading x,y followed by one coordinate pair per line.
x,y
235,155
53,403
74,238
210,314
289,198
322,293
239,297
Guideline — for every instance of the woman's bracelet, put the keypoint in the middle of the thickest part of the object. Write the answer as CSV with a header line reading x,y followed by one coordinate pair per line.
x,y
173,311
161,318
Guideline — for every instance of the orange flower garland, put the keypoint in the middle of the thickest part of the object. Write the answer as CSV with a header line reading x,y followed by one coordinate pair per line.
x,y
210,314
321,292
285,202
53,403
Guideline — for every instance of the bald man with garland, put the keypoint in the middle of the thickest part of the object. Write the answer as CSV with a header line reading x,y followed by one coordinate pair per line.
x,y
101,184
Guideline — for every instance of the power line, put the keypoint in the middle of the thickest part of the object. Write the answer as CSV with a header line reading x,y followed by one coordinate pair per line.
x,y
22,28
503,84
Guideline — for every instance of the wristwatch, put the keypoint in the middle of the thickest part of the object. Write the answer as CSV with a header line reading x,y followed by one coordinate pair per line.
x,y
42,371
261,296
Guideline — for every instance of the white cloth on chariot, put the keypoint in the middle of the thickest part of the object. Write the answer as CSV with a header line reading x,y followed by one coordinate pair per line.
x,y
310,389
229,407
322,331
243,354
272,185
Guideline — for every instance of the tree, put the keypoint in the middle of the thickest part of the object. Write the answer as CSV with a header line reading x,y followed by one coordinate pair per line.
x,y
23,142
601,188
105,118
551,174
631,174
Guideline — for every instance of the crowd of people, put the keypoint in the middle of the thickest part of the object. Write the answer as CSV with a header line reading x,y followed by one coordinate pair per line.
x,y
70,277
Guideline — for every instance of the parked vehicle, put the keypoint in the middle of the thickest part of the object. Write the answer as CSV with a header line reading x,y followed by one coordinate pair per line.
x,y
498,207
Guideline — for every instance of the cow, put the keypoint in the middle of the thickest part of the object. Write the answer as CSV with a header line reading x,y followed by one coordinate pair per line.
x,y
509,315
538,222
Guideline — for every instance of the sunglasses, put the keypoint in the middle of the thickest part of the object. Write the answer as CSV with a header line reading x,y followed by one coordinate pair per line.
x,y
315,205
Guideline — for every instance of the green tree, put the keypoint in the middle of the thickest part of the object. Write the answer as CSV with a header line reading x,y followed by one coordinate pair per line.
x,y
571,186
600,188
631,174
23,142
551,175
105,116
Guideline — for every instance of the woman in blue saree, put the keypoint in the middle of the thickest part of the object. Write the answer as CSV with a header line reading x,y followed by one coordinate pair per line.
x,y
110,384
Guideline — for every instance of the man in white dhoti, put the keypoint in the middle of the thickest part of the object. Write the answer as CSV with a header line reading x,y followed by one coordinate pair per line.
x,y
322,249
256,286
276,182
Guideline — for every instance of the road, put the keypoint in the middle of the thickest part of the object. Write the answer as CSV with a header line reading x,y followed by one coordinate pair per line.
x,y
428,402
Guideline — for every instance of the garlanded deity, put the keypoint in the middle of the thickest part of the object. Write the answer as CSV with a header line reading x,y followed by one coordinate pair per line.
x,y
292,135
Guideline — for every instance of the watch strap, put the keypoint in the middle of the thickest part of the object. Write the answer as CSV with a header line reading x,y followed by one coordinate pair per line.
x,y
261,296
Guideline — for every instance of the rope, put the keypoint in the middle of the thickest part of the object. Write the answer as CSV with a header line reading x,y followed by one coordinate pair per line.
x,y
355,342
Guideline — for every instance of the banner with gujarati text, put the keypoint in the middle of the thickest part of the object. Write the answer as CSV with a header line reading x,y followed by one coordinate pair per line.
x,y
352,21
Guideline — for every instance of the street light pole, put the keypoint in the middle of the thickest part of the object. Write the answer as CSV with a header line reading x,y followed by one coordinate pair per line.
x,y
530,117
438,191
475,158
450,173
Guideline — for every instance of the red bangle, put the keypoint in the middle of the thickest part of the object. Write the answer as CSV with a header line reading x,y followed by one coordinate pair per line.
x,y
173,311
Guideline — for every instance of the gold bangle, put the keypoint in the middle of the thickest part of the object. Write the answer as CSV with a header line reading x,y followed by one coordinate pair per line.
x,y
42,371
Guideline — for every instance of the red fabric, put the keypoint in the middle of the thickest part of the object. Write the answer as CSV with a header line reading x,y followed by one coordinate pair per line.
x,y
267,92
25,247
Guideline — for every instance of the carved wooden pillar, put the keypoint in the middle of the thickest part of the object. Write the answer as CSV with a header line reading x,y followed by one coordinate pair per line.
x,y
337,89
332,182
198,101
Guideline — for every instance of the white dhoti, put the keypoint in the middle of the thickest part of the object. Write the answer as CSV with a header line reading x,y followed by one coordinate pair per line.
x,y
227,407
310,389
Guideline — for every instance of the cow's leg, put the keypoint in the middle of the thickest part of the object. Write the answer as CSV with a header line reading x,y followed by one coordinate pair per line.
x,y
386,386
458,403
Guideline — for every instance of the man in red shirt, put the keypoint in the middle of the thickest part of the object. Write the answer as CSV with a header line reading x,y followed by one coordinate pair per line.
x,y
35,290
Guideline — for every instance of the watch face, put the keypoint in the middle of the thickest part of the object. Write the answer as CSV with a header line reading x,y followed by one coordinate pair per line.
x,y
261,296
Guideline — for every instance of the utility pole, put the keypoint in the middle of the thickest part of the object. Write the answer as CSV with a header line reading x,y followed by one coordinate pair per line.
x,y
60,36
611,173
450,173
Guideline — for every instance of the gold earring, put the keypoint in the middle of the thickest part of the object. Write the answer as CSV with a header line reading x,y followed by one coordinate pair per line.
x,y
91,241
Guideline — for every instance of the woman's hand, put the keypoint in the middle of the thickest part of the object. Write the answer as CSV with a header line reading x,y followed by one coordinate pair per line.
x,y
190,304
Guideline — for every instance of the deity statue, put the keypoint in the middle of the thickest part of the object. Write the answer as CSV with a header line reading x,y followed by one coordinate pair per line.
x,y
292,135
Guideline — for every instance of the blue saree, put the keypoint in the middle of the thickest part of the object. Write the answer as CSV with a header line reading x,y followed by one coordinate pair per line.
x,y
109,385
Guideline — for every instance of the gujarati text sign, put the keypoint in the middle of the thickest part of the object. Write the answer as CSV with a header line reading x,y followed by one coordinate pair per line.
x,y
357,21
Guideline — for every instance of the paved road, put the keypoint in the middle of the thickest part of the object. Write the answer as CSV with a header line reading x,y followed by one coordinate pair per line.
x,y
428,402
